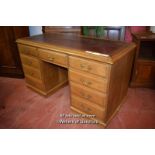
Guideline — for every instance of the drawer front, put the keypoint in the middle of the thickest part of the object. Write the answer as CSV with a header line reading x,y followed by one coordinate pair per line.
x,y
35,83
54,57
89,66
32,72
145,73
27,50
89,80
88,107
88,94
30,61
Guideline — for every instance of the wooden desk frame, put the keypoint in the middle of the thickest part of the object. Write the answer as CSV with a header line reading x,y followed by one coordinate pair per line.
x,y
103,79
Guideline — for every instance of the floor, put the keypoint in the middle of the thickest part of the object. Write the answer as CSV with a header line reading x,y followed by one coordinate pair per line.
x,y
26,109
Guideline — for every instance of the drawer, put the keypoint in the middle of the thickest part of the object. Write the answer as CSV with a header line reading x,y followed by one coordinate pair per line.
x,y
27,50
35,83
88,94
54,57
32,72
88,107
89,66
30,61
89,80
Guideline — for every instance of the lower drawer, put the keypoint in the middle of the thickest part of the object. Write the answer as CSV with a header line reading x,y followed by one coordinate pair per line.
x,y
88,107
35,83
88,94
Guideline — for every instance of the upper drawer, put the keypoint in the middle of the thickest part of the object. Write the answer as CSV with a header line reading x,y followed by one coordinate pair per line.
x,y
30,61
54,57
89,66
28,50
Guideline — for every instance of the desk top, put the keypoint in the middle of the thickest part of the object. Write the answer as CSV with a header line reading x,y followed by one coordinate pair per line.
x,y
74,44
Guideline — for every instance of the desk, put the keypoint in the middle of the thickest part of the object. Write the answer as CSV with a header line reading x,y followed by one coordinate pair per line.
x,y
98,70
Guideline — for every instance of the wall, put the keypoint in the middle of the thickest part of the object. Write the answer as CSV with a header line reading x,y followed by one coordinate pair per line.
x,y
132,29
35,30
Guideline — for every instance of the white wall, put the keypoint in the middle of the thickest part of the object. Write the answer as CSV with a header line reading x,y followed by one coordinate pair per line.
x,y
35,30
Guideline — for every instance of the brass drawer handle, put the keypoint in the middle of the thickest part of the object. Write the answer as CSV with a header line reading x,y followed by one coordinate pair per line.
x,y
86,83
88,109
29,62
85,108
32,74
86,96
51,58
85,67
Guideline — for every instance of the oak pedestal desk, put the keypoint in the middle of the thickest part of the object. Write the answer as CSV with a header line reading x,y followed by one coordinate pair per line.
x,y
98,70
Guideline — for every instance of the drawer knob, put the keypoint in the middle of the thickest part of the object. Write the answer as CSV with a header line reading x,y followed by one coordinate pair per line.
x,y
85,67
85,96
82,106
26,52
29,63
85,108
86,83
50,58
31,74
88,109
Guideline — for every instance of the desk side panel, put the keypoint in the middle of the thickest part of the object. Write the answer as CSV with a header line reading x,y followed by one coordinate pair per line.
x,y
119,81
